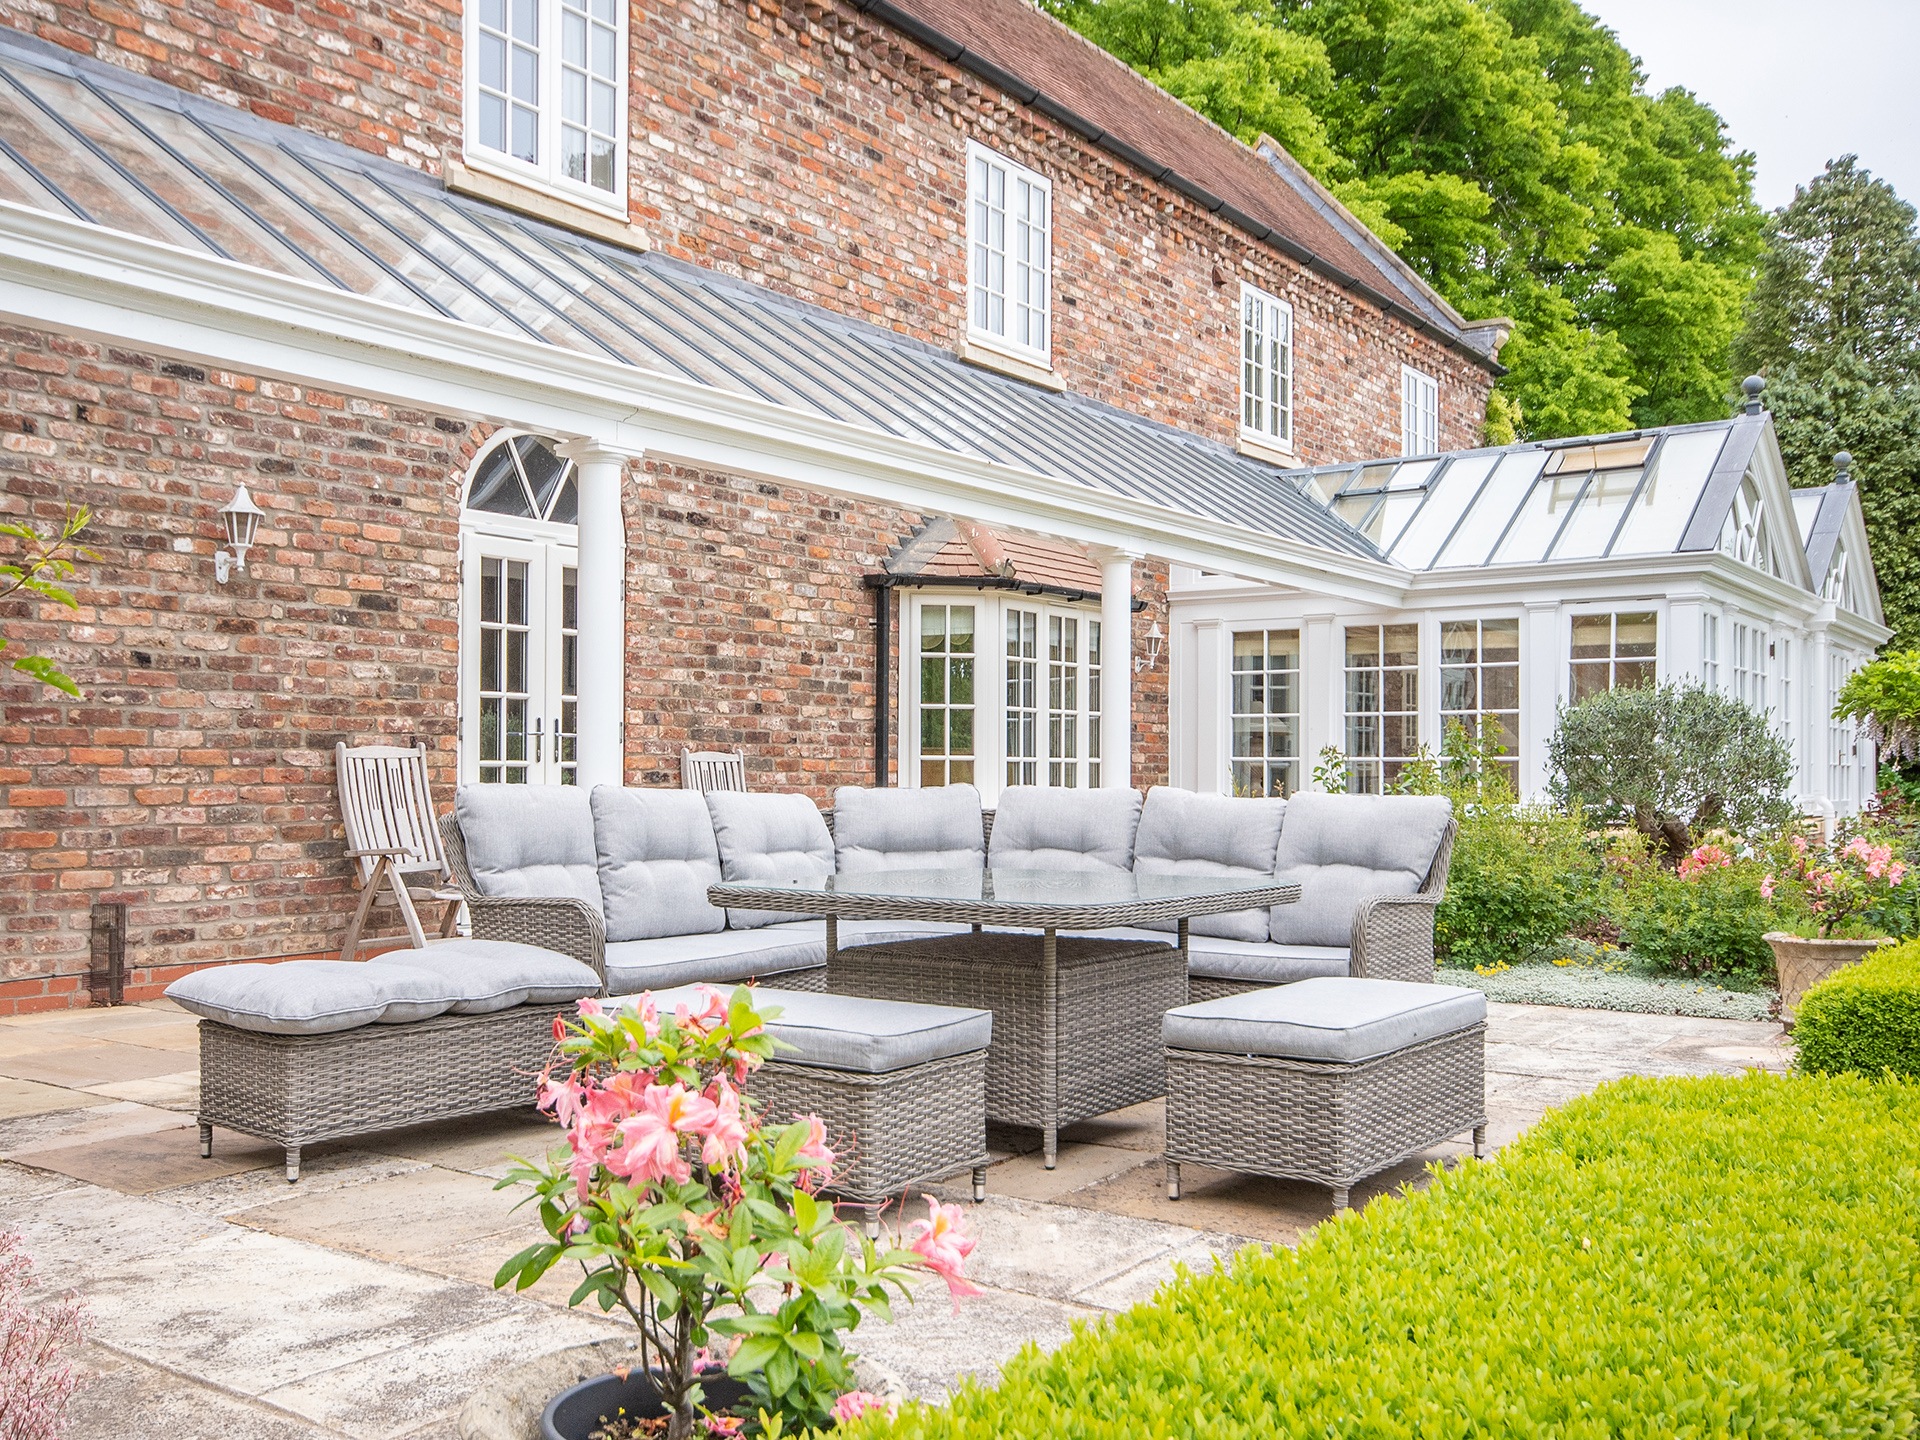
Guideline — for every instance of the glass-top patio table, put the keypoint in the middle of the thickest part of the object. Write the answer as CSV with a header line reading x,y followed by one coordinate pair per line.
x,y
1076,1018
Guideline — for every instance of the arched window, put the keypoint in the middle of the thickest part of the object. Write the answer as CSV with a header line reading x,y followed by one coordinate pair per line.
x,y
519,615
1745,534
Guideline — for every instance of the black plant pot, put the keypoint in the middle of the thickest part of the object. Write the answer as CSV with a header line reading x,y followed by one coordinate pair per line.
x,y
577,1411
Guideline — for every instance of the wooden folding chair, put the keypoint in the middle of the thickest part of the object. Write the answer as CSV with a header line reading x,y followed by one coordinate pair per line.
x,y
392,837
705,770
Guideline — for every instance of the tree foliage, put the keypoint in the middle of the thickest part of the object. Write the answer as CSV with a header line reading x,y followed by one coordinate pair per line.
x,y
1510,152
35,568
1884,697
1673,761
1834,325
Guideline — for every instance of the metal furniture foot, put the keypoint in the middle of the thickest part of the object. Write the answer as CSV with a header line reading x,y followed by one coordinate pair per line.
x,y
1173,1179
1050,1145
206,1141
870,1221
1479,1142
293,1163
979,1183
1339,1198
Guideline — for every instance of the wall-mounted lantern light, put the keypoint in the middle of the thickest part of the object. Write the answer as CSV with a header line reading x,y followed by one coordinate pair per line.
x,y
1152,657
241,517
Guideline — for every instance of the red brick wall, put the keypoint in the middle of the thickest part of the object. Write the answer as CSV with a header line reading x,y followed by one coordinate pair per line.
x,y
194,782
821,152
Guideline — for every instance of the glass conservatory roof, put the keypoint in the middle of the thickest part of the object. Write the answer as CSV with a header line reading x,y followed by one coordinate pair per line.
x,y
1586,499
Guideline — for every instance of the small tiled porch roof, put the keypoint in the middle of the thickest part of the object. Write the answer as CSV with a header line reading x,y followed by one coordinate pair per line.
x,y
962,553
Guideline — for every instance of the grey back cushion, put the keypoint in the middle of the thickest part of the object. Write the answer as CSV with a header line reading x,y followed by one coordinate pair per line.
x,y
529,840
1047,828
657,858
1182,833
1343,849
768,837
932,829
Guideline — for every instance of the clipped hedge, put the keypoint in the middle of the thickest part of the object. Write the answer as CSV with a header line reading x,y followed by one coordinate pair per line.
x,y
1701,1257
1865,1019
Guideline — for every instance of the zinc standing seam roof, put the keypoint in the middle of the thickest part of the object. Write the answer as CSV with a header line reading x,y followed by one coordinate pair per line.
x,y
81,139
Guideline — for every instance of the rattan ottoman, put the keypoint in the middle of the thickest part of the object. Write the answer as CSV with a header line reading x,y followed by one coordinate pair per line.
x,y
297,1090
1329,1080
900,1088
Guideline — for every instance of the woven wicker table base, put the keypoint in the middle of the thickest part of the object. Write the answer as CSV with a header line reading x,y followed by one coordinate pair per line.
x,y
1334,1124
1076,1021
297,1090
888,1131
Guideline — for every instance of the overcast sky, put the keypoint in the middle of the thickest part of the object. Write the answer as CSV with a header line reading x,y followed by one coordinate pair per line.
x,y
1798,82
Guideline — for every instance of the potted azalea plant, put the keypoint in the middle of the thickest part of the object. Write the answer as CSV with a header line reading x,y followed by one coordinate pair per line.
x,y
1834,904
698,1220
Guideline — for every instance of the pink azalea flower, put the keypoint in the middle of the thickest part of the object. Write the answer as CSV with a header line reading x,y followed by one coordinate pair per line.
x,y
1766,888
726,1132
590,1006
814,1153
724,1424
1897,873
650,1137
943,1244
855,1403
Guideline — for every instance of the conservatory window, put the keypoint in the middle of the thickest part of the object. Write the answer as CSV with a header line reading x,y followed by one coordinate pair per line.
x,y
1612,652
1840,733
1265,712
1786,690
947,675
1745,534
1750,666
1009,252
1835,587
1382,704
1480,683
1266,367
547,91
1710,651
1419,413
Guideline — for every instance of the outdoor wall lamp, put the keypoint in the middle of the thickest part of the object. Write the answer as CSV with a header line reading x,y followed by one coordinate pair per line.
x,y
241,517
1152,657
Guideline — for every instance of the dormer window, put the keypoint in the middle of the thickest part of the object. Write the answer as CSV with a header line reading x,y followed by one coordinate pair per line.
x,y
547,95
1009,255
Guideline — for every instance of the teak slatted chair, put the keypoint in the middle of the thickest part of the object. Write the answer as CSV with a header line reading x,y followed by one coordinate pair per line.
x,y
391,836
705,770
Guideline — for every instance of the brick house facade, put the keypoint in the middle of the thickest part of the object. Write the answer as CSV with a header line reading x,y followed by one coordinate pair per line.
x,y
194,781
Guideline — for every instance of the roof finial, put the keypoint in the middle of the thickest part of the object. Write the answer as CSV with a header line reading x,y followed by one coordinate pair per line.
x,y
1843,468
1753,385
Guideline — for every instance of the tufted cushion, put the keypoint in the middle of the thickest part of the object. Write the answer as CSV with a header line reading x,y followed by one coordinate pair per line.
x,y
1182,833
1046,828
722,957
482,976
529,840
768,837
931,829
1345,1020
311,997
657,858
847,1032
1343,849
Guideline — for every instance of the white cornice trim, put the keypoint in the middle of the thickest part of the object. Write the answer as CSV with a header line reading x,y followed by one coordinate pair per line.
x,y
70,277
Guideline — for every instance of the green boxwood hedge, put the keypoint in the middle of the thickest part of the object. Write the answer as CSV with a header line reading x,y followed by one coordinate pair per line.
x,y
1702,1257
1866,1018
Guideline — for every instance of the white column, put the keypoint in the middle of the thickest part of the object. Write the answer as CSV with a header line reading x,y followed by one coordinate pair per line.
x,y
1542,670
1116,671
1820,799
599,470
1323,690
1205,699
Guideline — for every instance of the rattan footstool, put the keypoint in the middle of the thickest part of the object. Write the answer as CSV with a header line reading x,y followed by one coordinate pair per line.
x,y
902,1089
1329,1080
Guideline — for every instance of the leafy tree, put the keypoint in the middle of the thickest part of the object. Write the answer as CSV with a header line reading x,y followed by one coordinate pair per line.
x,y
1673,761
1509,151
1834,325
1884,697
36,569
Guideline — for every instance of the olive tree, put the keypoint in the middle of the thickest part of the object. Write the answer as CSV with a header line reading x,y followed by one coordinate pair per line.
x,y
1673,761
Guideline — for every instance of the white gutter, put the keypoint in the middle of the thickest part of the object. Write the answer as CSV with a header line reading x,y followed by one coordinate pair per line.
x,y
70,277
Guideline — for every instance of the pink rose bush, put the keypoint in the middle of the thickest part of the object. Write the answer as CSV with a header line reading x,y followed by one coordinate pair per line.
x,y
677,1200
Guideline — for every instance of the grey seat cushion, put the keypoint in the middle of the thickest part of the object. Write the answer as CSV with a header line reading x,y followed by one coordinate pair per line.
x,y
1265,963
723,957
938,828
768,837
1342,1020
482,976
1343,849
878,932
1045,828
1182,833
529,840
311,997
657,858
871,1037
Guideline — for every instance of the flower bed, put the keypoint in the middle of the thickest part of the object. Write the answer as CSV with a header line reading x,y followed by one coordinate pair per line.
x,y
1866,1019
1702,1257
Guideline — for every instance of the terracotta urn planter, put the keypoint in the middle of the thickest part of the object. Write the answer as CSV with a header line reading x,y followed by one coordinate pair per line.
x,y
1801,963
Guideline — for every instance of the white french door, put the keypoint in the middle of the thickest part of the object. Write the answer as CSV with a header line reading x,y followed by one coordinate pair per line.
x,y
519,664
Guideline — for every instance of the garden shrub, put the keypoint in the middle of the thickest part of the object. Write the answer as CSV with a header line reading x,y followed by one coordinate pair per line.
x,y
1694,1257
1708,916
1865,1019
